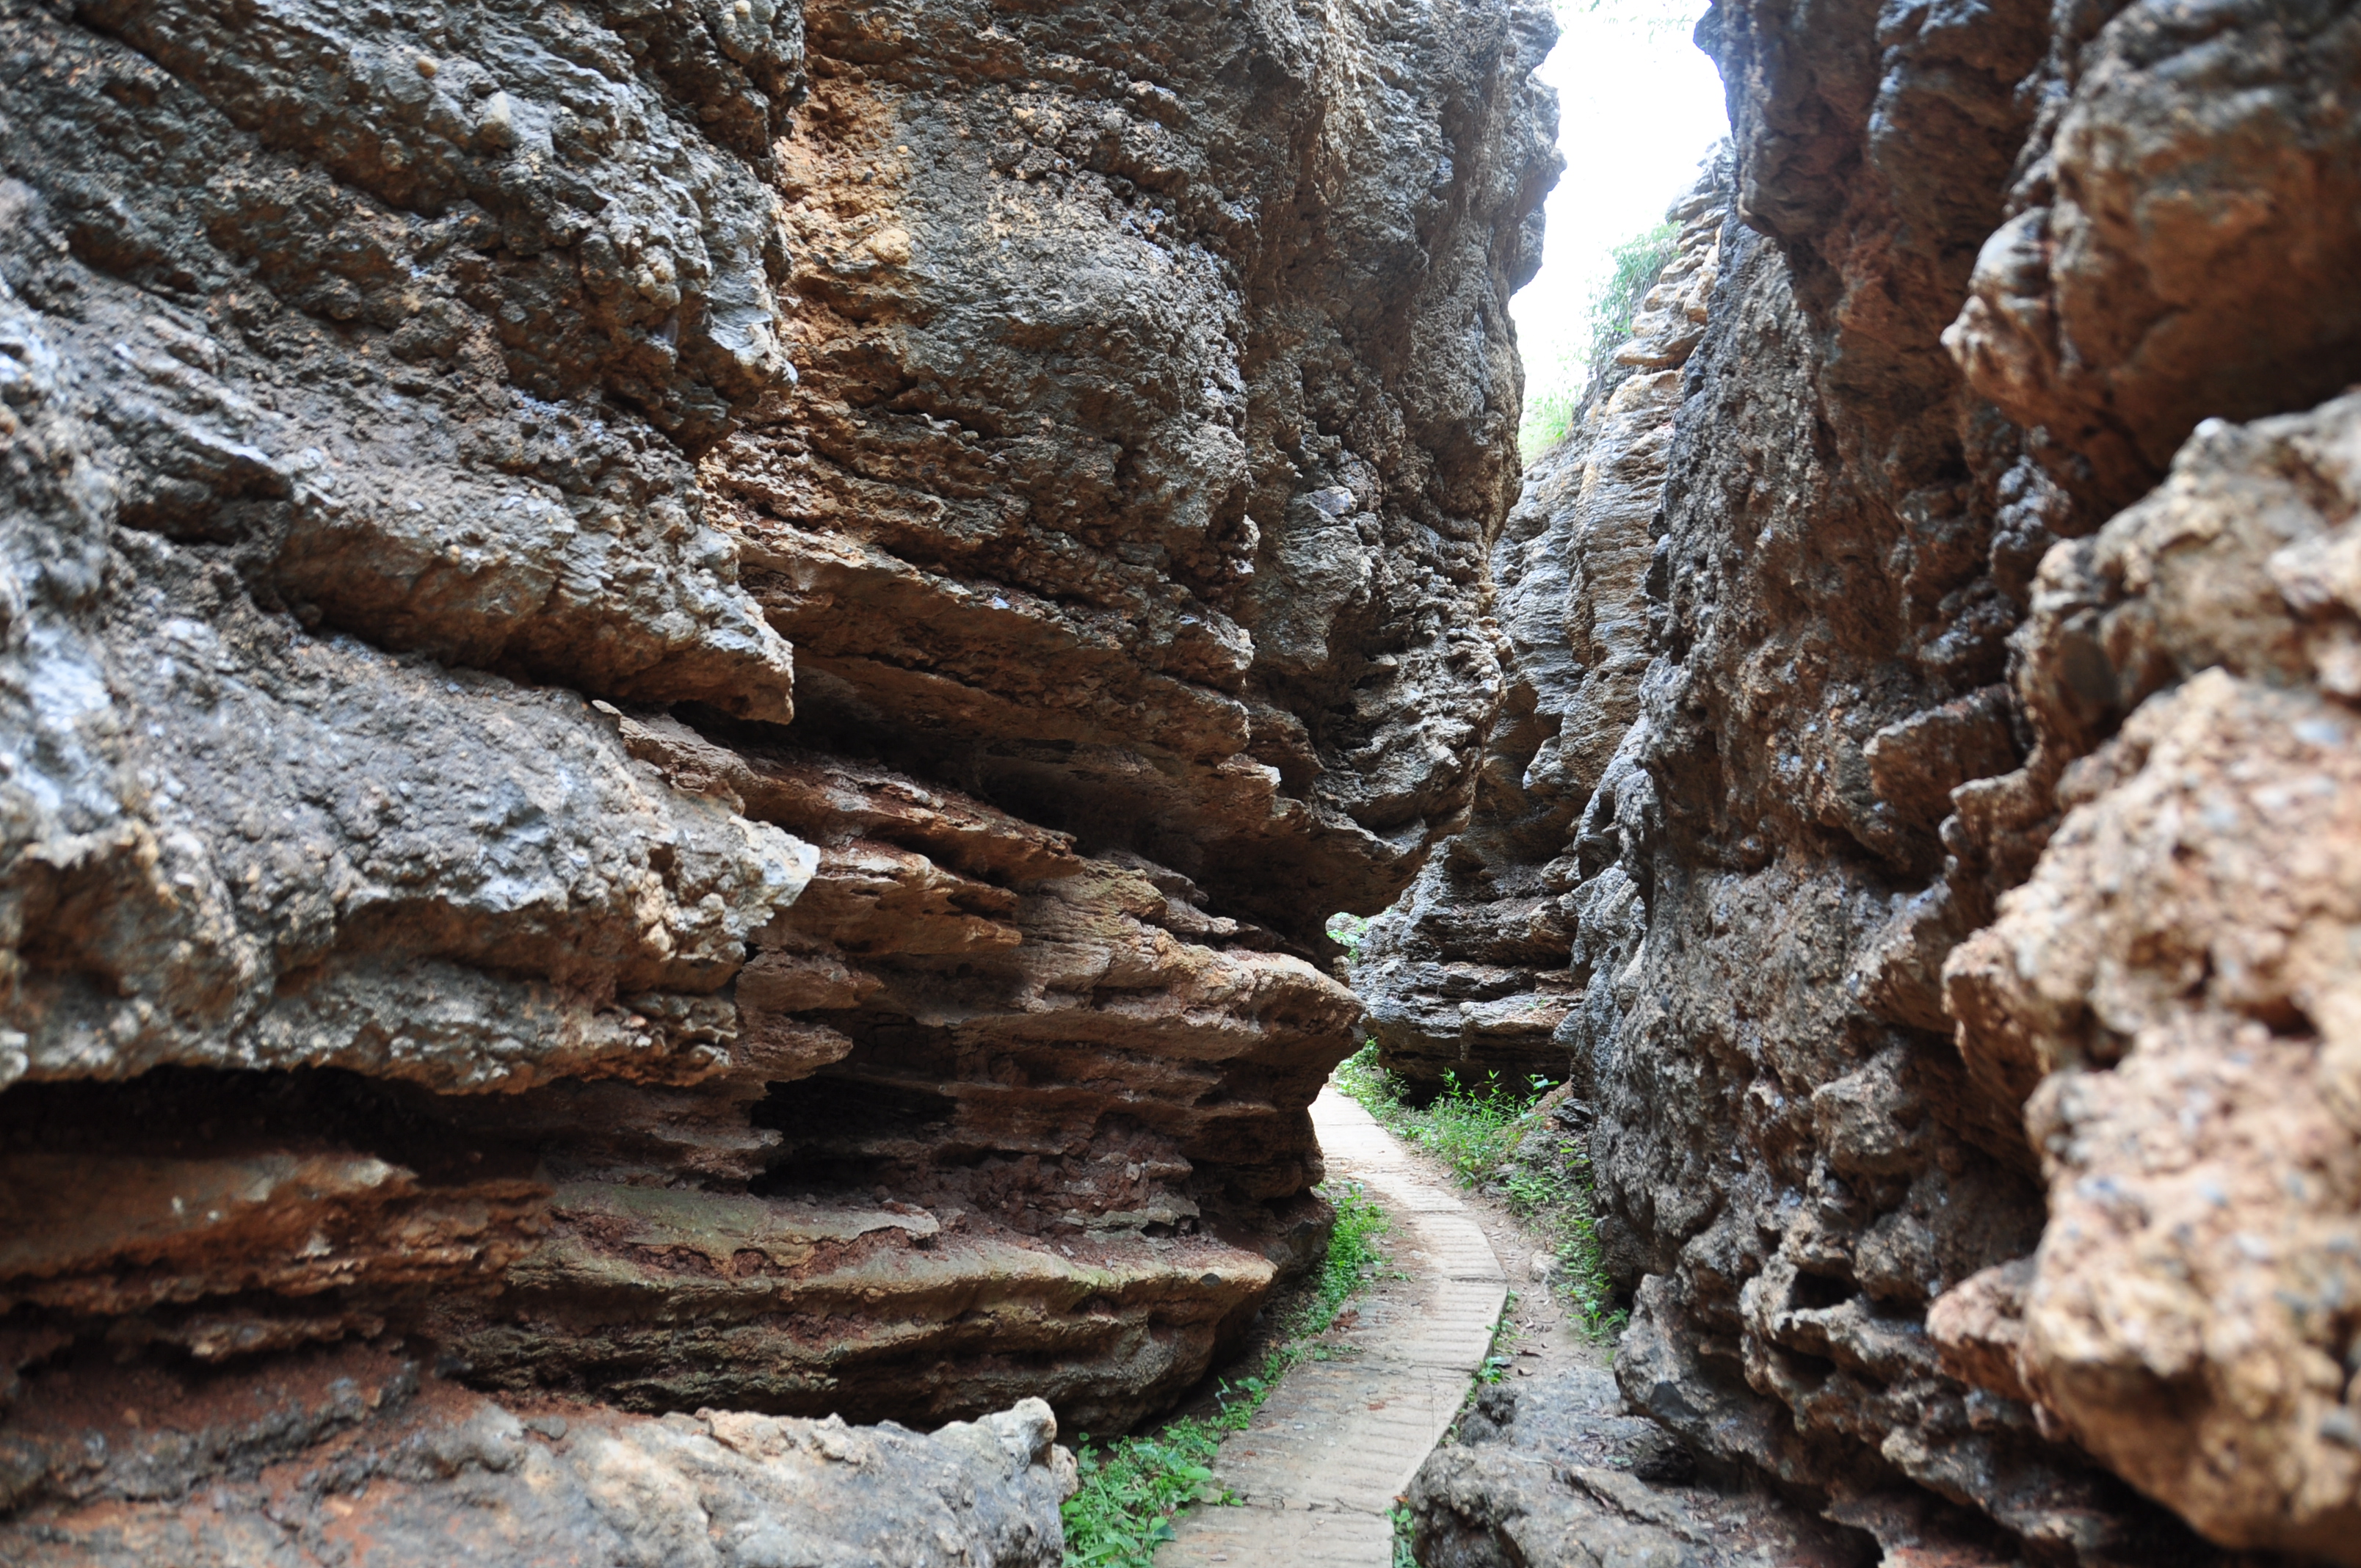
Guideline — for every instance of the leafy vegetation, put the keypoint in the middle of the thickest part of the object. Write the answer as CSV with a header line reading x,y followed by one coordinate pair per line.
x,y
1132,1488
1552,393
1616,304
1555,392
1348,931
1400,1515
1500,1355
1492,1135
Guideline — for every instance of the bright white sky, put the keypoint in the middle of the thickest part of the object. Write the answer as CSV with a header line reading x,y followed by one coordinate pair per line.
x,y
1639,106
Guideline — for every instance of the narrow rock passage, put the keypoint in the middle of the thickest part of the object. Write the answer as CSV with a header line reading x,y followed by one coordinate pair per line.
x,y
1339,1440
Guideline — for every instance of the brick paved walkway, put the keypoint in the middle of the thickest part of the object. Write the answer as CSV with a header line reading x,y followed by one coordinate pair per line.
x,y
1337,1441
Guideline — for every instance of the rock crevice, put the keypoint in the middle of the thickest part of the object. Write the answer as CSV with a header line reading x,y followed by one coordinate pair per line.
x,y
683,688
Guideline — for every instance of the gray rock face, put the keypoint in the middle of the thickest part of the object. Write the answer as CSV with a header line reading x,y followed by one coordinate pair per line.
x,y
357,1452
1962,1049
1468,974
236,843
421,920
2134,290
1555,1472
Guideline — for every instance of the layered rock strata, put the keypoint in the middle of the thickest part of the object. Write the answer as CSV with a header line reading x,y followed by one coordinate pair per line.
x,y
437,904
1960,928
1155,415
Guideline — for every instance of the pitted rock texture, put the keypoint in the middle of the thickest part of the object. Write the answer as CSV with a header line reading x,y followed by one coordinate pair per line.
x,y
2171,989
430,910
1960,923
2136,287
1554,1473
355,1455
277,797
1793,1163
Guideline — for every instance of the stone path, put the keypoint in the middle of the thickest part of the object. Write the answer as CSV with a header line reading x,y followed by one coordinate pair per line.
x,y
1338,1441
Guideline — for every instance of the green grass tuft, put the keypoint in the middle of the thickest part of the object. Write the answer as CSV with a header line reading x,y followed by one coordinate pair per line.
x,y
1400,1517
1132,1488
1348,931
1555,391
1548,416
1616,305
1489,1134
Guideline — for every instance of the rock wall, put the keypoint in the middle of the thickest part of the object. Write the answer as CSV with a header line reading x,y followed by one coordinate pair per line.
x,y
681,686
1960,928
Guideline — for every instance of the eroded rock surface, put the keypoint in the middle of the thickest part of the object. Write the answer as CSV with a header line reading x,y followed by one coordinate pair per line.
x,y
436,904
1960,923
1904,780
1156,414
1555,1472
357,1455
2169,993
1467,973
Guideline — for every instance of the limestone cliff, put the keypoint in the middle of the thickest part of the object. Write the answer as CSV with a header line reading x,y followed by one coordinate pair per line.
x,y
681,686
1959,929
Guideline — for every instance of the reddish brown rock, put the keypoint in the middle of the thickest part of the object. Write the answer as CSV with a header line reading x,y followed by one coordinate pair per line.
x,y
1066,498
362,1455
2170,988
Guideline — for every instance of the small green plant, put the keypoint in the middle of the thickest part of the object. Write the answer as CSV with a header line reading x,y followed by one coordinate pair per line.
x,y
1552,393
1638,261
1348,931
1353,1257
1500,1356
1400,1515
1132,1488
1473,1128
1555,389
1470,1127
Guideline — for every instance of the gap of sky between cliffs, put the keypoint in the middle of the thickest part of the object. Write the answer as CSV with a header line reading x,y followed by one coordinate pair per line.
x,y
1638,107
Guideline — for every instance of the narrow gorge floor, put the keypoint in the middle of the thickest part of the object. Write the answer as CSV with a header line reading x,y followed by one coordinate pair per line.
x,y
1318,1471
